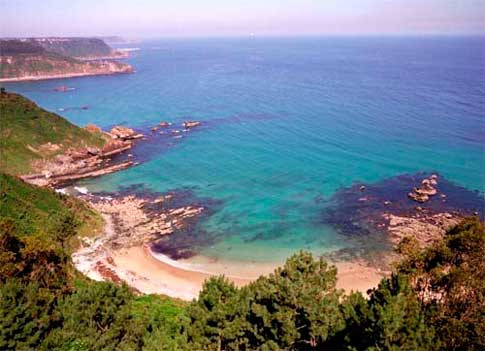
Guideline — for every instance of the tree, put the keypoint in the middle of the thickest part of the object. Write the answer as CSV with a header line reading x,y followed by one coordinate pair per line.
x,y
26,315
211,315
296,307
449,278
98,317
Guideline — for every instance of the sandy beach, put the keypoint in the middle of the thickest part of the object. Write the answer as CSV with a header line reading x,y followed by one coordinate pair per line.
x,y
141,270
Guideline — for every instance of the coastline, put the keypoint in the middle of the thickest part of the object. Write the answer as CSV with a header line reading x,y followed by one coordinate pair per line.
x,y
136,220
60,76
147,273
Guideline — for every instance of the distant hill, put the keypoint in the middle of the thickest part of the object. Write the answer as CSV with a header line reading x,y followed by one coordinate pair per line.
x,y
29,133
48,58
17,47
75,47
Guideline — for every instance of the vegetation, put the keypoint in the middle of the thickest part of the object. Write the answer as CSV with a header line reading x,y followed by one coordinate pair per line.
x,y
433,301
76,47
17,47
71,47
29,133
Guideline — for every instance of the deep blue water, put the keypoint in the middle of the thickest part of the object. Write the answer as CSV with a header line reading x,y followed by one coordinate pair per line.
x,y
287,123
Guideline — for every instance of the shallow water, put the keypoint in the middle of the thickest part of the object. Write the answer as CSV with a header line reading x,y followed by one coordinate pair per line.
x,y
286,124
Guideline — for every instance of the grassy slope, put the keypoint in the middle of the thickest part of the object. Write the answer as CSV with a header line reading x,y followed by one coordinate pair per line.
x,y
25,127
34,210
78,47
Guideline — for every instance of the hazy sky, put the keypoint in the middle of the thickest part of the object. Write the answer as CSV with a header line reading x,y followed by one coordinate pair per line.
x,y
151,18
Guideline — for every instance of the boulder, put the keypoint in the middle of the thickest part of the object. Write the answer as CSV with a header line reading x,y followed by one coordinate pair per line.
x,y
93,151
430,191
113,145
191,124
164,124
418,197
120,132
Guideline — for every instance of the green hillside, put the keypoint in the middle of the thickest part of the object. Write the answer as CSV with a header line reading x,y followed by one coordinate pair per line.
x,y
26,129
33,210
71,47
75,47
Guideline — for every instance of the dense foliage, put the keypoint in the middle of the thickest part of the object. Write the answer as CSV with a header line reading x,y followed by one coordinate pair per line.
x,y
18,47
72,47
45,304
29,133
433,301
75,47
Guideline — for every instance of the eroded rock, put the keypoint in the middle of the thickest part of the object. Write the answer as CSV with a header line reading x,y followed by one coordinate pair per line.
x,y
124,133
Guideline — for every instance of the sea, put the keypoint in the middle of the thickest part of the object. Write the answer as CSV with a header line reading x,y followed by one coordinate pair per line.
x,y
287,125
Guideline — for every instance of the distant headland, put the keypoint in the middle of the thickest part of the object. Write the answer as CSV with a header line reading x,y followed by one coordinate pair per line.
x,y
24,59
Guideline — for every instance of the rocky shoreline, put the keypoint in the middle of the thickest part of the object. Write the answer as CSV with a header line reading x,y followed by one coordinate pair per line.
x,y
114,156
83,163
131,221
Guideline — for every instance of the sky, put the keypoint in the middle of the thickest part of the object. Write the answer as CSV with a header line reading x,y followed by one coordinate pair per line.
x,y
152,18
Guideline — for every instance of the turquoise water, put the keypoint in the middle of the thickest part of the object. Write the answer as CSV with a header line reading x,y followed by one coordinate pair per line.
x,y
286,124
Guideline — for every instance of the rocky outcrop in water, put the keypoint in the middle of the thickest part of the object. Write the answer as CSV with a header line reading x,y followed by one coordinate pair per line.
x,y
124,133
191,124
427,189
383,208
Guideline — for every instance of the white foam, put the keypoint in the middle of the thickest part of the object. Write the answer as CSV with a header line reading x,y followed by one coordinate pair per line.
x,y
81,189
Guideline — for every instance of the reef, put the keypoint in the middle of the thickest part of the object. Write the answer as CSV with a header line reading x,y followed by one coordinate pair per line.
x,y
387,207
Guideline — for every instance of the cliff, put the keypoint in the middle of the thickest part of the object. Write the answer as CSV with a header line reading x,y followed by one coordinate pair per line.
x,y
34,60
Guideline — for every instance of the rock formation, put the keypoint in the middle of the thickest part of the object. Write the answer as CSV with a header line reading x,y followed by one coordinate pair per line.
x,y
427,189
124,133
191,124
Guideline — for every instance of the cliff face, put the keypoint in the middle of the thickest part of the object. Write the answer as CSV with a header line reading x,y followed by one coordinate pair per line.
x,y
31,59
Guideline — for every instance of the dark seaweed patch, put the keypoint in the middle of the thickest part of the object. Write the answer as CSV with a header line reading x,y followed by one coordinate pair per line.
x,y
358,211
